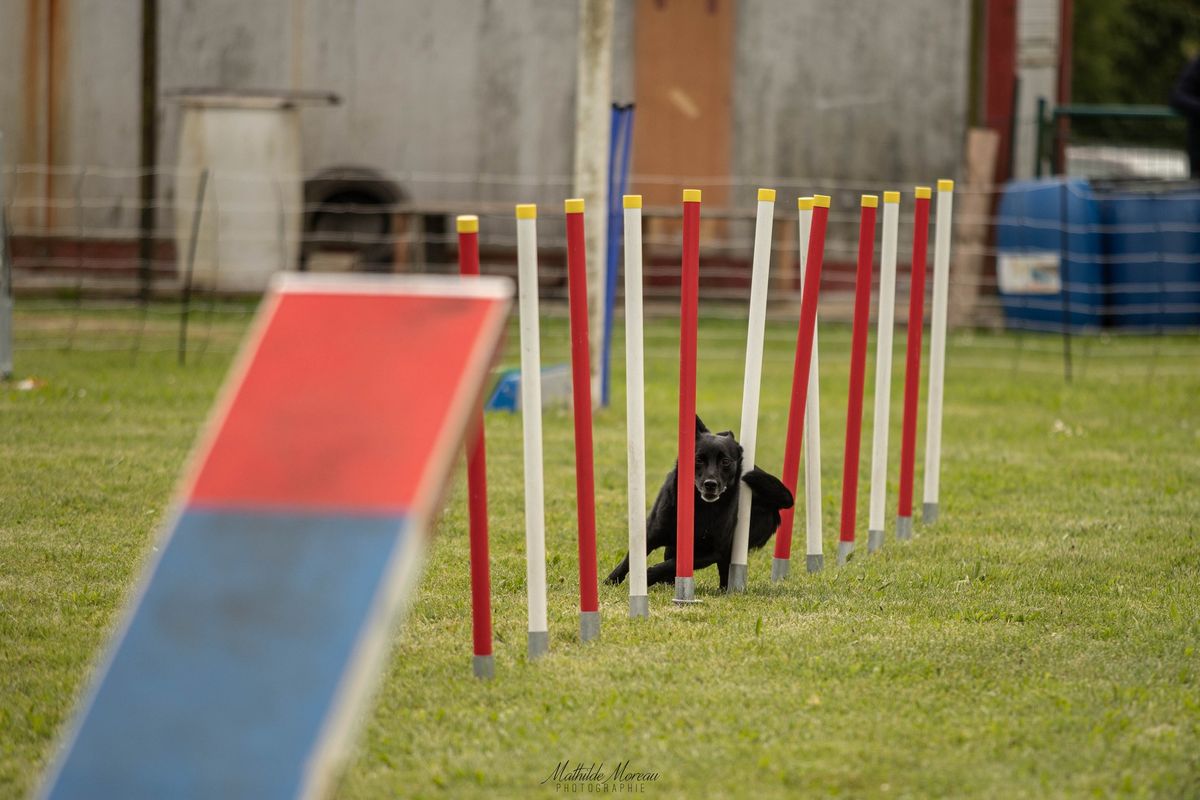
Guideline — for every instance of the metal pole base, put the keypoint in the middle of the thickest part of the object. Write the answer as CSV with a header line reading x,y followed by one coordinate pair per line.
x,y
929,513
484,667
816,562
685,590
845,551
589,625
780,568
904,528
874,541
6,347
539,644
737,578
639,606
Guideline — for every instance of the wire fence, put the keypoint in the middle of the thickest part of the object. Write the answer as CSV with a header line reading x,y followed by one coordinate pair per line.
x,y
1123,256
151,333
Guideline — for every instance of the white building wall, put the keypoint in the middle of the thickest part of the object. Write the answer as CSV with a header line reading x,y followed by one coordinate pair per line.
x,y
1037,70
445,94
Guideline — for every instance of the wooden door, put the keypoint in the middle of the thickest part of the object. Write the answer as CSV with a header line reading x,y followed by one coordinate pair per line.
x,y
683,89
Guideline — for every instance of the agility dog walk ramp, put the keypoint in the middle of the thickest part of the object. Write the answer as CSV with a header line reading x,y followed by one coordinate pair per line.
x,y
242,666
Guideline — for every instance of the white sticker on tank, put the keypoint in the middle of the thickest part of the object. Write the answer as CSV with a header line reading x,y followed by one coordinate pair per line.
x,y
1029,273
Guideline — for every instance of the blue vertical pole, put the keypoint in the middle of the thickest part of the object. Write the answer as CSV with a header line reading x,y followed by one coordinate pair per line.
x,y
618,175
610,255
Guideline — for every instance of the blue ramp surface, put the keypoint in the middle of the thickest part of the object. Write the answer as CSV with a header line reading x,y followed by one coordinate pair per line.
x,y
231,664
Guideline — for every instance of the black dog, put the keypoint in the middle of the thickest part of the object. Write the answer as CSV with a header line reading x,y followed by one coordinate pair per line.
x,y
715,499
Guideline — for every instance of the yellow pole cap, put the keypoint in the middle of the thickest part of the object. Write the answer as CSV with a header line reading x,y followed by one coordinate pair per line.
x,y
891,197
468,223
923,192
691,195
574,205
870,201
632,201
526,211
766,195
945,185
804,203
821,200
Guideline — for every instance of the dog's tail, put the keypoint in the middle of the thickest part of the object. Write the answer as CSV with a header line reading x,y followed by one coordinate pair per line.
x,y
768,489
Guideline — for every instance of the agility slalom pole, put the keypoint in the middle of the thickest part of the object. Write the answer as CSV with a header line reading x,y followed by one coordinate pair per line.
x,y
811,444
685,485
531,425
858,368
812,420
806,332
883,369
752,384
481,580
635,406
937,348
912,366
581,396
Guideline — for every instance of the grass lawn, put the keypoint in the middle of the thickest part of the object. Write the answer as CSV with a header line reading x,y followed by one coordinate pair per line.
x,y
1041,640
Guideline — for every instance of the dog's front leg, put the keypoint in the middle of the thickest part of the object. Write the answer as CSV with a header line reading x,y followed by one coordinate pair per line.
x,y
657,535
706,559
662,572
619,572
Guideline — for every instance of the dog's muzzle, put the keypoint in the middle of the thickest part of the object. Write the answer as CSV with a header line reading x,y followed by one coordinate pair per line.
x,y
710,491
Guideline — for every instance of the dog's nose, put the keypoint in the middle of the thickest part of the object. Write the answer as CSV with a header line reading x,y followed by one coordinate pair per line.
x,y
710,486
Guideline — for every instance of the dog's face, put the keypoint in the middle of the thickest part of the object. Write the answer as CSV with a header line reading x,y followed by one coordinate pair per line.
x,y
718,462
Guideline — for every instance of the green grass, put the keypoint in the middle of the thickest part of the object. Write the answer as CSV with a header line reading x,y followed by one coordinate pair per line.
x,y
1040,640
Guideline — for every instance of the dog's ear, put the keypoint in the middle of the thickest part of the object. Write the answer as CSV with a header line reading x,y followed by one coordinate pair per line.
x,y
700,427
726,433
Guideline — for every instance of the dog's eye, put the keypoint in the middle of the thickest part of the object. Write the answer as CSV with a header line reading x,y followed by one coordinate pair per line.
x,y
726,462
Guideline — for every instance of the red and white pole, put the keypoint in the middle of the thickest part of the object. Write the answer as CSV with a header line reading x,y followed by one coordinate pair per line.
x,y
685,486
531,426
883,369
812,419
912,367
858,368
635,406
752,384
581,395
937,349
481,581
801,371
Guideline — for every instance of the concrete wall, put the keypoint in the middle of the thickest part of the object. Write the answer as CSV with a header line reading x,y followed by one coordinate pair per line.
x,y
853,90
459,96
435,91
69,95
1037,70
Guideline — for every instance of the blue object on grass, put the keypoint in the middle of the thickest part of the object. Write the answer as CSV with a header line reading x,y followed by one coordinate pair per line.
x,y
556,389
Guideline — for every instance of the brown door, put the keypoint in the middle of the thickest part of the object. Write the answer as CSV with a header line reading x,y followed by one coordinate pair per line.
x,y
683,83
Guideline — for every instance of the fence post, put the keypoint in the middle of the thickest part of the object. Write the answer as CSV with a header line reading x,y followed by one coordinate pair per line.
x,y
148,147
6,302
1040,144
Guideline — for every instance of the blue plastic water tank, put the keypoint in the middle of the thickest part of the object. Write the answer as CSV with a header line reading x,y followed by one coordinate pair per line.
x,y
1032,234
1152,235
